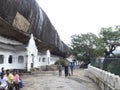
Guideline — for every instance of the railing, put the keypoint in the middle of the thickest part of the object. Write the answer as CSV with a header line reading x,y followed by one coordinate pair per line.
x,y
104,79
108,64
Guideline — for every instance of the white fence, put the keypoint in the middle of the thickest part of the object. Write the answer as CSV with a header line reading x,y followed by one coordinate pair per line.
x,y
105,80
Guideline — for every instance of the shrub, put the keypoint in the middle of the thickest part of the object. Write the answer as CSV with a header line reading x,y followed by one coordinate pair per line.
x,y
61,61
114,67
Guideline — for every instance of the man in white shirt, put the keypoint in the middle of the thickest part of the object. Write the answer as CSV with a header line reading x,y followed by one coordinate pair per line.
x,y
3,82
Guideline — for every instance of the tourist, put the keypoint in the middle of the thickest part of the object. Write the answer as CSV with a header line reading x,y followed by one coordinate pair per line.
x,y
2,71
3,82
16,79
9,77
60,69
20,82
66,70
71,68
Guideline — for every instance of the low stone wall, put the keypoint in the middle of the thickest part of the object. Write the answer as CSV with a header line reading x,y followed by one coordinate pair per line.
x,y
49,68
105,80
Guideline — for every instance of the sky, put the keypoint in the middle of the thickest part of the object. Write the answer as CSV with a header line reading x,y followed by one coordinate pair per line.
x,y
71,17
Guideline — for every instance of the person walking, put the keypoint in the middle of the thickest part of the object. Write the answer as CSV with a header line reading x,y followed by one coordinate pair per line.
x,y
71,68
66,70
60,69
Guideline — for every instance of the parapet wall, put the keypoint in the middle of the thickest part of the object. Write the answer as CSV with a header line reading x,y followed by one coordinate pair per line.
x,y
105,80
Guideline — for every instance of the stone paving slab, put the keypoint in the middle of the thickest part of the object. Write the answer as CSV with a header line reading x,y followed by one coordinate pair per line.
x,y
87,82
50,80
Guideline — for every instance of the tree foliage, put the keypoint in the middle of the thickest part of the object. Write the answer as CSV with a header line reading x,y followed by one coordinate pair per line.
x,y
60,61
84,46
111,40
87,46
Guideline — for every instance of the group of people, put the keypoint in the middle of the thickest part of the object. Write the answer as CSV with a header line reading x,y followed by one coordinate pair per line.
x,y
9,80
66,69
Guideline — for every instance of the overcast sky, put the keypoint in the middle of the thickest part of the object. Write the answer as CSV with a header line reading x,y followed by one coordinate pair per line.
x,y
71,17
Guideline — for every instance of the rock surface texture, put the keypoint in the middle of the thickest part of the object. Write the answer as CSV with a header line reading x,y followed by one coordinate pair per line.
x,y
20,18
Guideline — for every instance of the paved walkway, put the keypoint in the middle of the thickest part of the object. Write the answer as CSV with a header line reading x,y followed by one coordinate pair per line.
x,y
85,81
50,80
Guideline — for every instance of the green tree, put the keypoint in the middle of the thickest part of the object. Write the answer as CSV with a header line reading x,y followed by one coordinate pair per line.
x,y
60,61
86,46
110,39
114,67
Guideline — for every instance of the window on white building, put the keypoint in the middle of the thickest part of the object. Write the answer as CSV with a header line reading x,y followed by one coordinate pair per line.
x,y
20,59
10,59
1,59
43,59
39,59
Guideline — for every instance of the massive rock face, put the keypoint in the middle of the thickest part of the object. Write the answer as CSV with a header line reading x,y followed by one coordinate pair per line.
x,y
20,18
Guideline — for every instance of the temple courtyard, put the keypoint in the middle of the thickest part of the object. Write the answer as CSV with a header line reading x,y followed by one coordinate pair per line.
x,y
50,80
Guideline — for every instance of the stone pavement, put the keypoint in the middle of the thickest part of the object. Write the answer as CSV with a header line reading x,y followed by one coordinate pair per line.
x,y
49,80
85,81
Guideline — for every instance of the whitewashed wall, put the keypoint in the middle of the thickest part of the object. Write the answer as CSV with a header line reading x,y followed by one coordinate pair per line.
x,y
43,62
14,64
32,53
20,65
7,52
30,56
53,59
106,80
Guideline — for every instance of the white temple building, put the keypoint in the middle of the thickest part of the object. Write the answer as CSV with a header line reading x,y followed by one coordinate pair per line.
x,y
16,55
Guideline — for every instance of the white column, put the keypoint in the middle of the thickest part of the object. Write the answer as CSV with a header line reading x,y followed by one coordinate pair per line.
x,y
28,64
